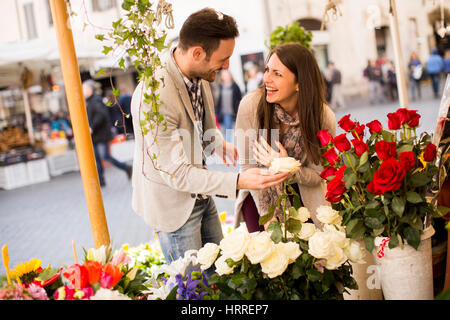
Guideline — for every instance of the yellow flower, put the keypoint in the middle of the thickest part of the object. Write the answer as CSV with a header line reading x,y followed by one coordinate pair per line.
x,y
26,270
424,163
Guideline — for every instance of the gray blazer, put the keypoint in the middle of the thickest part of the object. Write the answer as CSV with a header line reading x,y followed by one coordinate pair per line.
x,y
165,201
312,186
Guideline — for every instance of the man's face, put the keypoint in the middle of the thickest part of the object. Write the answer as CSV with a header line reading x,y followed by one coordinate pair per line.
x,y
220,59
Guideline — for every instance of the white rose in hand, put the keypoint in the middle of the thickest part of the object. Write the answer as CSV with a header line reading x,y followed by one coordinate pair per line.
x,y
259,247
207,255
286,164
235,244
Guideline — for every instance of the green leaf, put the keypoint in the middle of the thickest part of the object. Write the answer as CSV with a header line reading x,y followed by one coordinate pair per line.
x,y
405,147
100,72
100,37
363,159
351,180
106,50
398,205
292,212
412,235
442,211
293,225
413,197
277,233
266,218
387,136
369,242
355,228
313,275
419,179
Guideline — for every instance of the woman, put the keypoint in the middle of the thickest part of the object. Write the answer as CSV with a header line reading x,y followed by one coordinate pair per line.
x,y
292,104
415,75
228,102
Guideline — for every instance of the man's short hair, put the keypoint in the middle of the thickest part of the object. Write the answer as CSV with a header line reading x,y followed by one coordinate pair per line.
x,y
206,28
90,83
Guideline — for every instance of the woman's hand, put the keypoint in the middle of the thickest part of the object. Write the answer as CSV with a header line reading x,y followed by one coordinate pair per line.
x,y
264,154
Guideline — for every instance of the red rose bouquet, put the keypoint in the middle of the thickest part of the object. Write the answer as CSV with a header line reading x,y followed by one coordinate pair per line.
x,y
378,178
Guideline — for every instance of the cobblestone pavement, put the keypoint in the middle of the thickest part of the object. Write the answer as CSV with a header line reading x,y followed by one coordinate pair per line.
x,y
41,220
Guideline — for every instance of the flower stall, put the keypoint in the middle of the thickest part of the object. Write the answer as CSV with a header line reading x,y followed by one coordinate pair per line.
x,y
380,182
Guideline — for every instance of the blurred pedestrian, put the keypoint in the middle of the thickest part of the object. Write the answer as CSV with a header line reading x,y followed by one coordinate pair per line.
x,y
335,78
435,65
391,82
447,63
115,115
100,126
255,79
373,73
415,75
228,102
125,103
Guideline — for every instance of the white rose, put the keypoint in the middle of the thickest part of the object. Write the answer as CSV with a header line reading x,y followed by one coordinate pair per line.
x,y
235,244
286,164
320,245
259,247
336,260
327,215
290,249
338,237
303,214
275,264
207,255
308,229
355,252
222,267
106,294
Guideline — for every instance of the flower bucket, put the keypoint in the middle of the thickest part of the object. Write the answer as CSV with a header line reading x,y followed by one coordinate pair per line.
x,y
407,274
366,275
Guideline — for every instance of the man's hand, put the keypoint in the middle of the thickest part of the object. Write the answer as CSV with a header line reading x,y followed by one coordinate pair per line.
x,y
228,152
259,179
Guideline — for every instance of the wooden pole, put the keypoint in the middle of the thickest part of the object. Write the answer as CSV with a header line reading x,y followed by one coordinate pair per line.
x,y
399,65
78,115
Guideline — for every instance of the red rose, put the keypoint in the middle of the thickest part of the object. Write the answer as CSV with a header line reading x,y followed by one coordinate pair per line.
x,y
430,152
335,188
389,177
375,126
346,124
360,147
403,115
325,137
340,172
331,156
407,160
328,172
359,131
341,143
385,150
77,275
394,121
413,118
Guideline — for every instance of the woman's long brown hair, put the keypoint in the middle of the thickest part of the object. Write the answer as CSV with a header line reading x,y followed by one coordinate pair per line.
x,y
311,96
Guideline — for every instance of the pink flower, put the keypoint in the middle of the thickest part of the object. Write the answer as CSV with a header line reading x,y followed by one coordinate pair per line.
x,y
106,280
37,292
120,258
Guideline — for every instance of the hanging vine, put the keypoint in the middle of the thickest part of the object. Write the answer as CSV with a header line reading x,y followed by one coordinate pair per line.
x,y
138,37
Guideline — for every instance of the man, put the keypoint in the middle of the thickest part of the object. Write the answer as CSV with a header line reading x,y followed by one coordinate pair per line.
x,y
373,73
334,77
100,125
174,195
435,65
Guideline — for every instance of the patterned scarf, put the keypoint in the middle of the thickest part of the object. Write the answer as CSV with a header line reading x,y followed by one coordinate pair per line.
x,y
292,142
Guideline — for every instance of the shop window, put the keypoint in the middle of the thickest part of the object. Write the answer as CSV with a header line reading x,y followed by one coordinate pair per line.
x,y
30,21
103,5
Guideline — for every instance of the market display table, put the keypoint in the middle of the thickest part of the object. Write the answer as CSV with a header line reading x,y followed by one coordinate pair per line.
x,y
62,163
23,174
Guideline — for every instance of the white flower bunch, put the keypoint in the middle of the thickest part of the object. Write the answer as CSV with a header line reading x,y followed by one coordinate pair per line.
x,y
107,294
258,247
331,242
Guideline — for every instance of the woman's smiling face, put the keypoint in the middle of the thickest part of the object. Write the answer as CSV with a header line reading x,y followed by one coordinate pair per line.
x,y
281,85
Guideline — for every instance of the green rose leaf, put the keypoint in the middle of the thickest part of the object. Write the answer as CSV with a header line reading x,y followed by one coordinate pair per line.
x,y
277,234
413,197
413,237
293,225
398,205
266,218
